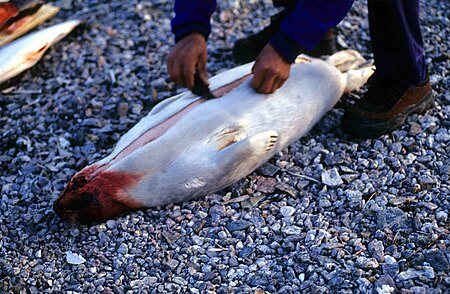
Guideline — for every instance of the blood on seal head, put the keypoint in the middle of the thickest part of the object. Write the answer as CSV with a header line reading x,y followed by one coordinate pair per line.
x,y
98,199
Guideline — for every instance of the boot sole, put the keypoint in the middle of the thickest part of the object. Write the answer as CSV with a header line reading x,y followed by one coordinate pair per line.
x,y
379,128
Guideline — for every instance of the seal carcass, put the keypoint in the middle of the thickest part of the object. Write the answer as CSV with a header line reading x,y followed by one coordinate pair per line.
x,y
23,53
188,146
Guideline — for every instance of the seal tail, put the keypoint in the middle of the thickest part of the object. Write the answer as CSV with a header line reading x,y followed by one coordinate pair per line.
x,y
355,68
346,60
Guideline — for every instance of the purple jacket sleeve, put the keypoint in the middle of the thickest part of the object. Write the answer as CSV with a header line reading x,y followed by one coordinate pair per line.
x,y
310,20
192,16
300,31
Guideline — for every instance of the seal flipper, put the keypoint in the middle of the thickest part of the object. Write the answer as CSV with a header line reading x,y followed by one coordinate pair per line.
x,y
228,136
244,156
354,67
356,78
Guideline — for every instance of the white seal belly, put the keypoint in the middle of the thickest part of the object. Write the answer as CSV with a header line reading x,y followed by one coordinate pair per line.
x,y
26,51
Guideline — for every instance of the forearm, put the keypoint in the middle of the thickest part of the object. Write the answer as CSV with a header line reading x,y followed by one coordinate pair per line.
x,y
192,16
303,29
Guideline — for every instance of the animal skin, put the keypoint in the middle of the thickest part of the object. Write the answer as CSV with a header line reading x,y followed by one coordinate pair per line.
x,y
23,53
188,146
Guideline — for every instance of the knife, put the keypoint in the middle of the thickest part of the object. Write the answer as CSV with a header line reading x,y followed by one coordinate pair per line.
x,y
201,88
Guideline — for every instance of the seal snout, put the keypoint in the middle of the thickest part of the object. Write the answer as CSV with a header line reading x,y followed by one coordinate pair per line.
x,y
102,197
83,207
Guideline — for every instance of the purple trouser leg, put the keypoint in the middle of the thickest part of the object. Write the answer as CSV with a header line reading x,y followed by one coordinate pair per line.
x,y
396,39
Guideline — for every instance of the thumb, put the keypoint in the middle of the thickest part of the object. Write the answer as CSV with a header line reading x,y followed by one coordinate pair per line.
x,y
201,66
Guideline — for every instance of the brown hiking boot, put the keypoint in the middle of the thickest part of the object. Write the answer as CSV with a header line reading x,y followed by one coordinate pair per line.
x,y
385,106
247,49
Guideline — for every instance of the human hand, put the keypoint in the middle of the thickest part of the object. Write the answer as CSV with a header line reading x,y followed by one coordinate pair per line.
x,y
188,53
270,71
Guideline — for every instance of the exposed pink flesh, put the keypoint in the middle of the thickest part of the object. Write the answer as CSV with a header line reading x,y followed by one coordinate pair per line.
x,y
158,130
219,92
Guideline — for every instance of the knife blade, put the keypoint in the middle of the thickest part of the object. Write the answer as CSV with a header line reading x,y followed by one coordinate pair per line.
x,y
201,88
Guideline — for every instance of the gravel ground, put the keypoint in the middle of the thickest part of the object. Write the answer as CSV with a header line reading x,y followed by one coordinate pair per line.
x,y
328,215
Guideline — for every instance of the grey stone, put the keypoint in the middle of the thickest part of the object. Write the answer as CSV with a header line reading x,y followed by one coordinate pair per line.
x,y
426,180
364,285
419,290
246,251
376,248
123,249
288,189
268,169
104,238
171,237
391,269
331,178
111,224
324,202
233,261
238,225
441,216
385,284
287,211
393,218
437,260
413,273
366,263
354,196
335,281
292,230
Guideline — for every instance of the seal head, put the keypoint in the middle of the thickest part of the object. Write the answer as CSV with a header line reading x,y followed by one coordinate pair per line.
x,y
88,199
